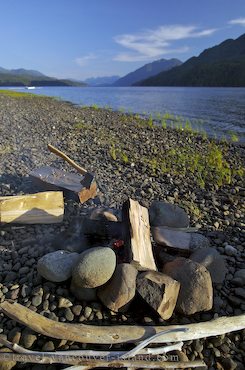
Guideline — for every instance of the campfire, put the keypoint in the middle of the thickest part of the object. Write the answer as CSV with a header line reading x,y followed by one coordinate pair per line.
x,y
119,257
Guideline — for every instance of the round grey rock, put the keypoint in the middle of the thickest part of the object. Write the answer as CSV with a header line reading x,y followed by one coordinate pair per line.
x,y
196,291
230,250
167,214
94,268
120,290
57,266
83,294
198,241
213,261
240,274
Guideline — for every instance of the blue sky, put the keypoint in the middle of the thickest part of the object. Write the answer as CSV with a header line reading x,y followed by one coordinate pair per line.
x,y
90,38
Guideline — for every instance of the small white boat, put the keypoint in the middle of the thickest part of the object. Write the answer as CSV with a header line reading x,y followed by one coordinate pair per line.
x,y
30,87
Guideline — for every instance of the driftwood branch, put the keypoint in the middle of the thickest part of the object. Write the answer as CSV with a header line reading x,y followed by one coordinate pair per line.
x,y
91,353
118,334
135,351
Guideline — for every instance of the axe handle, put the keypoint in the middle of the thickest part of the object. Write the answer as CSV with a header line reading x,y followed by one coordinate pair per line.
x,y
67,159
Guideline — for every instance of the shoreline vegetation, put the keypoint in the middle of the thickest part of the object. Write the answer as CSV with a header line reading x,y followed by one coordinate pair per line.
x,y
202,158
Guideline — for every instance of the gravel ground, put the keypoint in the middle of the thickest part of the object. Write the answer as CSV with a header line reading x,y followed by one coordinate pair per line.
x,y
92,137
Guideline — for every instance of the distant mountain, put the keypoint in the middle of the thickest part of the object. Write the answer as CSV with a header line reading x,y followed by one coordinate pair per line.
x,y
21,71
101,81
146,71
221,65
25,77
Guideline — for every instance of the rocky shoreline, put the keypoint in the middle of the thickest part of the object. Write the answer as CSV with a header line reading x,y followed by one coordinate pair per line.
x,y
123,151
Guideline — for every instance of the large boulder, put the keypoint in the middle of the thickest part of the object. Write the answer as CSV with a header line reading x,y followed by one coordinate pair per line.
x,y
94,267
120,290
178,239
159,291
57,266
196,291
213,261
167,214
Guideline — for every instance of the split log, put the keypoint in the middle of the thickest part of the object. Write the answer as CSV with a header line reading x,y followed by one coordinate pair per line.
x,y
119,334
159,291
137,236
46,208
50,178
94,363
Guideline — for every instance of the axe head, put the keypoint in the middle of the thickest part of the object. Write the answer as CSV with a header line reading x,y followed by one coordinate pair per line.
x,y
87,180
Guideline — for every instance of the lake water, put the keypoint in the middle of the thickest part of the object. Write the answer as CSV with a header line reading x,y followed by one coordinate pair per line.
x,y
217,110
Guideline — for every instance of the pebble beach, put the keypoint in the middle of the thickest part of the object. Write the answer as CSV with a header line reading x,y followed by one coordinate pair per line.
x,y
131,157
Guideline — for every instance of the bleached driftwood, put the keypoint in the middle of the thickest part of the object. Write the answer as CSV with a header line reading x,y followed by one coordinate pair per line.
x,y
138,350
160,336
46,207
119,334
85,360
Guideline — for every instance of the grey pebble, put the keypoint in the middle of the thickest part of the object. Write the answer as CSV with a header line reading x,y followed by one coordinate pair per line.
x,y
69,315
36,300
48,346
87,312
230,250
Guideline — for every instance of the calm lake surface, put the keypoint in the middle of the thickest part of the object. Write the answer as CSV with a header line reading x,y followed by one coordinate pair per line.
x,y
218,111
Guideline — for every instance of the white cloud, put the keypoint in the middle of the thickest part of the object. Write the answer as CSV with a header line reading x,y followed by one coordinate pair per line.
x,y
239,21
83,61
155,43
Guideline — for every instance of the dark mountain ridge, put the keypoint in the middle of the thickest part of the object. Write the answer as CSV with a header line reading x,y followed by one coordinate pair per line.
x,y
221,65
